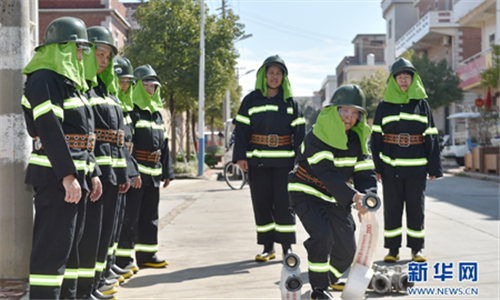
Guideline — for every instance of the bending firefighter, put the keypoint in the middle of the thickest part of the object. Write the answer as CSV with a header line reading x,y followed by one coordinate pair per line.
x,y
405,149
269,130
333,171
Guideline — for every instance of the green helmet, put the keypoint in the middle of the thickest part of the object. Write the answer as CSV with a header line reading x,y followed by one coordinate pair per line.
x,y
123,67
146,72
402,65
102,35
64,30
349,95
275,60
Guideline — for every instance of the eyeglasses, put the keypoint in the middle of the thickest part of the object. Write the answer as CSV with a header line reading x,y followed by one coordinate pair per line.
x,y
344,112
84,47
403,78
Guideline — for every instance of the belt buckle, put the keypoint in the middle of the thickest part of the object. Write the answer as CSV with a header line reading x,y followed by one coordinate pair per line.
x,y
91,137
270,140
408,141
37,143
120,138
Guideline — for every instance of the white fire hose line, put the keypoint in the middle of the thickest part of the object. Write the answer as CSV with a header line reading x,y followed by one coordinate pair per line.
x,y
361,271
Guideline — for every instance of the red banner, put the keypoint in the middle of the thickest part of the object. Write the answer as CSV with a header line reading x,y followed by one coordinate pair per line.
x,y
470,74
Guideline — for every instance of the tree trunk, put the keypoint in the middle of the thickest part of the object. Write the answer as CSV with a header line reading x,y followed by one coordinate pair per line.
x,y
173,126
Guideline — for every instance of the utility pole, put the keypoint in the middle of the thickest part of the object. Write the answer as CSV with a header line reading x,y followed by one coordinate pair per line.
x,y
201,96
18,36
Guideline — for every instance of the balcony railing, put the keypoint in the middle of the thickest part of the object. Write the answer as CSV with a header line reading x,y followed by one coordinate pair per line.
x,y
433,19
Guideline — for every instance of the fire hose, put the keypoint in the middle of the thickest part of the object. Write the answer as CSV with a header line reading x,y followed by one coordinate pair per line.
x,y
361,271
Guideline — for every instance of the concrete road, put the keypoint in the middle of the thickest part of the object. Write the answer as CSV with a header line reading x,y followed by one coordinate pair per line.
x,y
207,233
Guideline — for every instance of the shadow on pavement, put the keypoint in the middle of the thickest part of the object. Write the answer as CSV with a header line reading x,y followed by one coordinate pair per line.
x,y
230,269
482,199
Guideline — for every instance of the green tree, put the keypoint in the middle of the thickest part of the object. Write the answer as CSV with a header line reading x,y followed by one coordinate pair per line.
x,y
491,76
440,81
169,40
373,87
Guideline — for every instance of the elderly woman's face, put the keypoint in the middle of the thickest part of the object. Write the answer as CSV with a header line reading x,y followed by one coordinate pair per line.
x,y
274,76
102,55
404,81
149,87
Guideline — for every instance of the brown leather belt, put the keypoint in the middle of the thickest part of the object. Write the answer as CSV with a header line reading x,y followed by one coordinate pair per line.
x,y
130,147
302,174
111,136
403,139
271,140
78,141
148,156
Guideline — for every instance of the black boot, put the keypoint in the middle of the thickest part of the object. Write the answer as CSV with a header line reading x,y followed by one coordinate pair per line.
x,y
287,249
267,254
320,294
392,256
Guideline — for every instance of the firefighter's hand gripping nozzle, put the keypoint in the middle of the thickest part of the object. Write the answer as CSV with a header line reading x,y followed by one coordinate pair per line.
x,y
290,283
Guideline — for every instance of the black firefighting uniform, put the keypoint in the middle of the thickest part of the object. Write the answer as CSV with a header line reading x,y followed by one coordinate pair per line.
x,y
132,171
323,201
52,109
110,155
404,167
140,224
269,164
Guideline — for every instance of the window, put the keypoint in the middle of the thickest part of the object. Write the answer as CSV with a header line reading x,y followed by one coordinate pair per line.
x,y
492,39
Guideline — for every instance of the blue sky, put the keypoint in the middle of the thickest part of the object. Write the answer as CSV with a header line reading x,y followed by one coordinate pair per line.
x,y
312,36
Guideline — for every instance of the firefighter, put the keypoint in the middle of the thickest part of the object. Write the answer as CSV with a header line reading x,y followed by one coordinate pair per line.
x,y
269,130
111,158
140,225
405,149
125,73
62,166
333,171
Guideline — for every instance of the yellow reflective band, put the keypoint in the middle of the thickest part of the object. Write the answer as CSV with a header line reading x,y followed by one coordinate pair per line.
x,y
376,128
266,228
149,171
43,161
345,161
393,233
25,102
103,160
271,153
124,252
430,130
404,116
149,124
418,234
302,148
119,163
46,280
289,110
146,248
243,119
335,271
99,266
127,120
298,121
364,165
263,108
404,162
318,267
45,107
285,228
85,273
299,187
71,273
111,250
97,101
73,103
317,157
